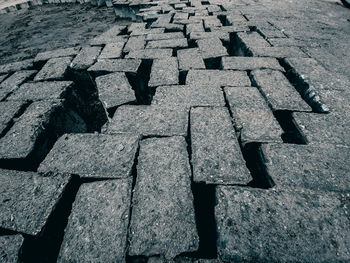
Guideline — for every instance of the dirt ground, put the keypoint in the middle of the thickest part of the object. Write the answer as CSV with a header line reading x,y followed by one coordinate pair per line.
x,y
26,32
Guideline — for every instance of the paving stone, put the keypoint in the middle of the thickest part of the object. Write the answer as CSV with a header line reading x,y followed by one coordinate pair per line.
x,y
164,72
135,43
218,77
281,226
57,53
54,69
216,155
136,26
28,199
222,35
180,16
93,155
235,19
10,246
12,83
163,36
110,36
252,116
85,58
98,225
322,167
163,211
16,66
151,53
139,32
280,94
189,96
231,29
252,39
114,90
250,63
211,21
336,100
276,52
168,43
190,59
211,48
194,28
112,50
9,110
150,121
2,77
115,65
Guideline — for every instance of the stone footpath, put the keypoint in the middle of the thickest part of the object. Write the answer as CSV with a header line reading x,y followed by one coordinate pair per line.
x,y
209,131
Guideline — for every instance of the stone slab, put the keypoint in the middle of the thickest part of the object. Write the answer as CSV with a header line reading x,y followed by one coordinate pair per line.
x,y
57,53
252,39
219,78
222,35
54,69
276,52
211,48
150,53
250,63
164,72
116,65
110,36
85,58
16,66
190,59
112,50
163,36
168,43
2,77
135,43
10,246
8,111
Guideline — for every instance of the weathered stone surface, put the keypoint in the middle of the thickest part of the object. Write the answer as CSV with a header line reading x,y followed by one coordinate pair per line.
x,y
150,121
151,53
198,27
280,94
62,52
115,65
12,83
218,78
168,43
318,167
336,100
97,226
276,52
190,59
86,57
114,90
162,36
211,48
110,36
9,110
112,50
163,211
136,26
216,155
189,96
135,43
54,69
225,36
2,77
93,155
252,116
28,198
16,66
139,32
10,246
211,21
252,39
164,72
250,63
281,226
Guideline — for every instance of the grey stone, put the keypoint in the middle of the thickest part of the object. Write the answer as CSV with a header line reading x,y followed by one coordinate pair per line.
x,y
211,48
28,199
222,35
86,57
252,39
168,43
280,94
12,83
151,53
114,90
234,19
252,116
112,50
135,43
10,246
190,59
93,155
57,53
139,32
116,65
136,26
8,111
250,63
216,155
150,121
276,52
198,27
318,167
163,221
54,69
2,77
163,36
218,77
110,36
336,100
211,21
281,226
16,66
164,72
97,227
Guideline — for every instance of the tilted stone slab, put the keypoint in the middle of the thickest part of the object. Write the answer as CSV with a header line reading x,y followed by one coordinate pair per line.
x,y
135,43
164,72
97,227
218,78
140,32
112,50
62,52
168,43
252,39
250,63
225,36
162,36
319,167
150,53
93,155
211,48
216,155
280,94
281,226
10,246
16,66
336,100
114,90
2,77
110,36
86,57
197,27
190,59
115,65
9,110
150,121
12,82
276,52
162,202
54,69
28,199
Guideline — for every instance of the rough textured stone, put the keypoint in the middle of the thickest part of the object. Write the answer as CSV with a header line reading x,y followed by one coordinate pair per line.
x,y
280,94
216,155
250,63
150,121
163,211
281,226
139,32
2,77
135,43
97,226
168,43
9,110
16,66
163,36
190,59
93,155
112,50
114,90
252,39
211,48
54,69
116,65
57,53
151,53
164,72
110,36
12,83
10,246
218,77
27,199
86,57
276,52
225,36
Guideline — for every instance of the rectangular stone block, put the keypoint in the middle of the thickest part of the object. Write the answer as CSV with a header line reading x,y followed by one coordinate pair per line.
x,y
2,77
110,36
196,27
16,66
151,53
218,78
281,226
140,32
8,111
86,57
168,43
10,246
93,155
114,90
163,36
164,72
162,202
252,115
250,63
190,59
277,90
136,26
115,65
135,43
10,84
222,35
28,199
211,48
216,155
251,39
57,53
150,120
98,225
211,21
112,50
54,69
276,52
